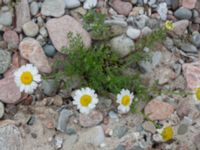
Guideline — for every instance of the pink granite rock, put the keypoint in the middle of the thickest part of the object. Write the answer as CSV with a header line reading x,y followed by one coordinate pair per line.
x,y
158,110
59,28
180,27
123,8
188,3
191,72
92,119
10,93
11,38
31,50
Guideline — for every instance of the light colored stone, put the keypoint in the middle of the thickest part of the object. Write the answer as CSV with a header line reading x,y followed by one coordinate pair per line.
x,y
34,8
89,4
6,18
5,60
133,33
188,3
31,50
92,119
66,25
94,136
22,13
122,45
158,110
72,3
1,109
53,8
11,138
30,29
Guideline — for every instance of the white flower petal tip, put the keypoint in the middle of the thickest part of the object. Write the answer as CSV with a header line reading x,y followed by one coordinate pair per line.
x,y
85,99
125,99
27,78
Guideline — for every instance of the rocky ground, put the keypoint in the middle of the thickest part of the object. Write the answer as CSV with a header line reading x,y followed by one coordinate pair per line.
x,y
34,31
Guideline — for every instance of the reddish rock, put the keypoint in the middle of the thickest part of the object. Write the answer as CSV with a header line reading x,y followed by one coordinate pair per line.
x,y
191,72
188,3
92,119
158,110
11,38
123,8
180,27
59,28
10,93
183,108
31,50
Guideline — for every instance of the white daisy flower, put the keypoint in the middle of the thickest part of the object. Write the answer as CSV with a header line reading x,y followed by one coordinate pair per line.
x,y
85,99
166,133
27,78
125,99
196,95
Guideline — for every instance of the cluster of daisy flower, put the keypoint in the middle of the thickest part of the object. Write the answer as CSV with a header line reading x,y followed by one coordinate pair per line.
x,y
86,100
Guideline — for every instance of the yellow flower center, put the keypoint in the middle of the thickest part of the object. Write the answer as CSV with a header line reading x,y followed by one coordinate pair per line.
x,y
85,100
126,100
26,78
167,133
169,25
197,93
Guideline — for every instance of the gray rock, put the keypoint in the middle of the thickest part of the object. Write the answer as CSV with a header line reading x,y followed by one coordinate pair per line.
x,y
11,138
34,8
120,147
58,142
196,140
5,60
141,21
53,8
94,136
188,48
30,29
72,4
182,129
175,4
92,119
6,18
169,43
149,126
180,27
63,120
133,33
196,40
153,23
148,66
134,2
49,87
22,13
49,50
120,131
69,142
1,109
71,131
122,45
183,13
89,4
116,22
43,32
113,115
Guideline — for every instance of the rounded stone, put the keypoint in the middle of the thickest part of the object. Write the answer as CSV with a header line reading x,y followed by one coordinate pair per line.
x,y
5,60
72,3
30,29
49,50
183,128
196,40
34,8
133,33
49,87
183,13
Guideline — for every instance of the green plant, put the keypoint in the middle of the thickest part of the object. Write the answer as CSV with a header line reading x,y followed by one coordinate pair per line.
x,y
94,23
